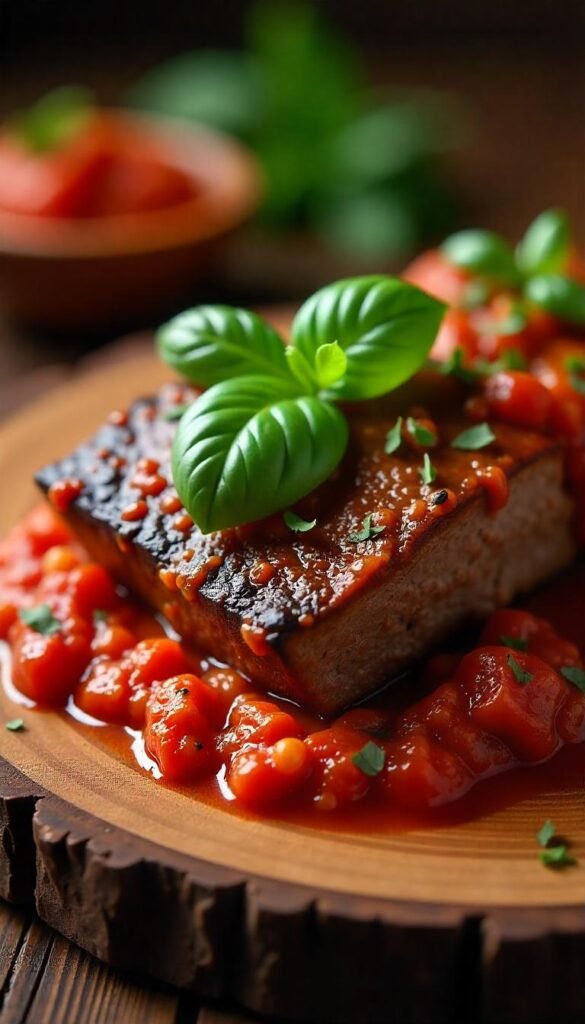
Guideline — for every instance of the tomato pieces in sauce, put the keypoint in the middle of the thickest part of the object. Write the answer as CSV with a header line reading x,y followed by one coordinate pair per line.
x,y
505,703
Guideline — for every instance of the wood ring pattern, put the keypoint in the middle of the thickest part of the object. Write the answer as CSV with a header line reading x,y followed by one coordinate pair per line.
x,y
459,923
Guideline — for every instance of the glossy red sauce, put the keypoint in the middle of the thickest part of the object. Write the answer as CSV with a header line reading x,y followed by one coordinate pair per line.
x,y
491,719
411,755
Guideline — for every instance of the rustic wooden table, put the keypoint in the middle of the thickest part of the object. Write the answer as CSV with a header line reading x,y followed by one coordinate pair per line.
x,y
46,980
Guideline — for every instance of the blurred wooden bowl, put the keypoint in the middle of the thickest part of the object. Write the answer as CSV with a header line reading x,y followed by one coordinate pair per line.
x,y
88,273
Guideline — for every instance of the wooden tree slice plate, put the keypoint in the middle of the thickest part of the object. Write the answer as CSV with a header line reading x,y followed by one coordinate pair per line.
x,y
428,925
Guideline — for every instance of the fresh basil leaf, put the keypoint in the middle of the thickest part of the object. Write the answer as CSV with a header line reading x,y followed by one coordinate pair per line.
x,y
515,642
385,326
483,253
41,619
54,119
546,833
421,434
221,88
522,676
300,369
575,675
296,523
251,446
575,364
427,472
330,364
558,295
474,438
210,344
366,531
370,759
545,246
394,437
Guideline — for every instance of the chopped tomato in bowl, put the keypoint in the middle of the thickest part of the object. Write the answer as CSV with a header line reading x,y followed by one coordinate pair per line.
x,y
110,215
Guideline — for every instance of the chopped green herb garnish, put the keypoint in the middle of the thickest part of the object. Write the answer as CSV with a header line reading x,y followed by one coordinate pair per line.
x,y
394,437
370,759
367,531
421,434
474,438
522,676
575,675
175,412
546,833
427,471
41,619
99,615
557,856
514,641
15,725
298,525
512,324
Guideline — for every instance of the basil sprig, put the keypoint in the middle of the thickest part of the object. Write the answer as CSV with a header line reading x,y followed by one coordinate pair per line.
x,y
537,268
268,430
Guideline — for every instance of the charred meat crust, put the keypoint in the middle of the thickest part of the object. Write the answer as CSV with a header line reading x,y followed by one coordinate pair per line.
x,y
296,593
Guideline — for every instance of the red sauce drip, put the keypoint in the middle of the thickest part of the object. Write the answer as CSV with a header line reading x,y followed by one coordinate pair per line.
x,y
64,492
135,511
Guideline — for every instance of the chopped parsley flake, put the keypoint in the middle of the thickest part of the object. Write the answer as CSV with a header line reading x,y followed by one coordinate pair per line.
x,y
296,523
15,725
367,531
546,833
516,642
557,855
370,759
575,675
421,434
394,437
41,619
427,471
474,438
522,676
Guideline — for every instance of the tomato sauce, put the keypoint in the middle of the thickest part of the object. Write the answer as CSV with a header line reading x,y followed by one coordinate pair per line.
x,y
413,754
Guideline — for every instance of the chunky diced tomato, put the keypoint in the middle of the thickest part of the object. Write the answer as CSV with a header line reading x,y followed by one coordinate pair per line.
x,y
46,668
117,691
421,773
258,723
337,780
519,398
518,706
178,733
228,684
536,635
92,589
260,776
434,274
44,530
446,717
112,640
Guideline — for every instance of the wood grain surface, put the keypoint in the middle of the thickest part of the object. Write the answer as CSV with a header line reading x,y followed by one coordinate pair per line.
x,y
455,922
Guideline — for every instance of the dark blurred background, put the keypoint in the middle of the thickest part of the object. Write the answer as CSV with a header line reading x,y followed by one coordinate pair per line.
x,y
514,72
